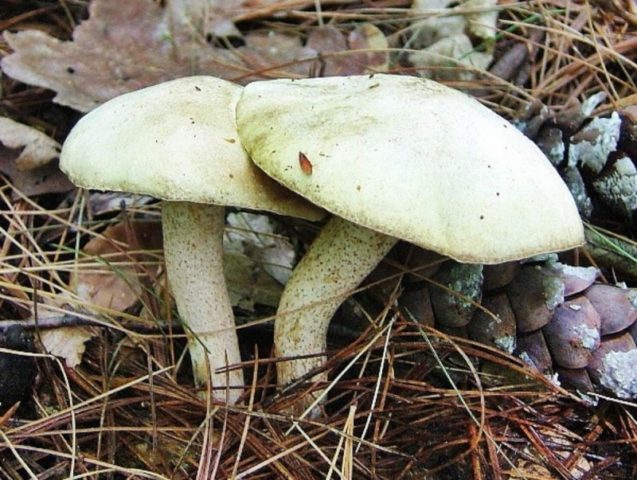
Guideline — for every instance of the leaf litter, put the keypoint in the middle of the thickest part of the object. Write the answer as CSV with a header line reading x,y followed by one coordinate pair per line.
x,y
132,377
37,148
127,45
123,46
25,157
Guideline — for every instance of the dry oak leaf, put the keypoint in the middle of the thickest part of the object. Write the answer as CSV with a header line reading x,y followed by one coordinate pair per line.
x,y
125,45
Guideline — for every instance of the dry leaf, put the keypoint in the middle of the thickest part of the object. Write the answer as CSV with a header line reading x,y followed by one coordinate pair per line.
x,y
256,260
525,470
43,180
276,55
116,285
327,41
25,157
67,342
254,235
217,17
368,36
435,23
114,202
338,53
212,15
37,148
450,58
125,45
247,283
129,44
449,39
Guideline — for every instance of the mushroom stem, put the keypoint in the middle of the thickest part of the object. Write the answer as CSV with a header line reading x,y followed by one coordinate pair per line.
x,y
193,235
337,262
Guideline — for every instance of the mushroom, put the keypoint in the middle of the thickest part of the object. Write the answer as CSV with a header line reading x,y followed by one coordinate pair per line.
x,y
178,141
395,157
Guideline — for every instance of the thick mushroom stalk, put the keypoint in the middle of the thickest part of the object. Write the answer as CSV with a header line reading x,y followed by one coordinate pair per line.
x,y
193,252
339,259
178,142
407,157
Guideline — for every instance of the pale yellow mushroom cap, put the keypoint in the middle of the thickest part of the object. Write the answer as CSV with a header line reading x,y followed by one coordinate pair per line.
x,y
175,141
412,159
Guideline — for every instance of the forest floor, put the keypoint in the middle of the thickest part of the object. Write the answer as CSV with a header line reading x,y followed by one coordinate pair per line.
x,y
103,380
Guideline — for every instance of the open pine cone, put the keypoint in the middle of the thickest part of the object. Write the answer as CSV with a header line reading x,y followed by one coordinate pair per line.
x,y
595,155
553,316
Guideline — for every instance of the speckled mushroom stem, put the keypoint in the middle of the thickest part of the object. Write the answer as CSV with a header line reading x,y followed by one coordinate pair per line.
x,y
337,262
193,252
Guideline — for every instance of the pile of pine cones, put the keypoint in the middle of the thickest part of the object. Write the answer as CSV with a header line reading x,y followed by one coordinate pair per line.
x,y
559,318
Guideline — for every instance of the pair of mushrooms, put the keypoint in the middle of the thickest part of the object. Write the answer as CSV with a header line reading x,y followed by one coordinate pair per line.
x,y
392,157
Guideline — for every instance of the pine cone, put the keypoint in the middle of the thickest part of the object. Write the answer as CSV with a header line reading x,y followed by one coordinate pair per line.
x,y
595,155
553,316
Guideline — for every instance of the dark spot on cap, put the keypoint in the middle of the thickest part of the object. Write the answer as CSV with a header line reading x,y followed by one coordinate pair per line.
x,y
481,217
70,70
197,88
358,187
230,140
231,175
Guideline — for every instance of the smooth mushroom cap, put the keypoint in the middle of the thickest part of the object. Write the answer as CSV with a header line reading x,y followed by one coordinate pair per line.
x,y
413,159
172,141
